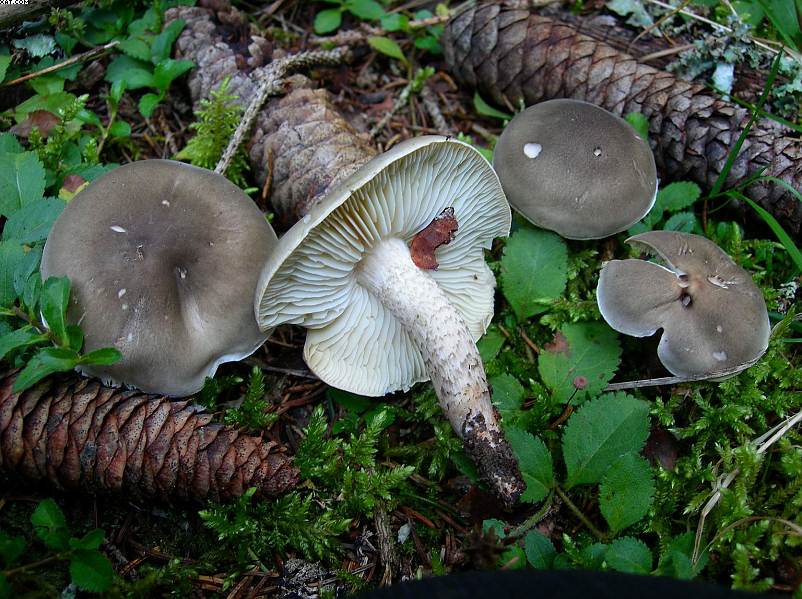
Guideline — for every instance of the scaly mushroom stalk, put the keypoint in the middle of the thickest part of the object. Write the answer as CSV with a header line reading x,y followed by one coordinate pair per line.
x,y
449,353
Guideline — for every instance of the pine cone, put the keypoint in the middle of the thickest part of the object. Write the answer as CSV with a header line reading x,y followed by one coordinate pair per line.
x,y
512,56
78,434
300,140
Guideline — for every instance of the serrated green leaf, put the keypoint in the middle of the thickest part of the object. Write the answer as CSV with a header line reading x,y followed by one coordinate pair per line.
x,y
90,541
136,73
168,70
534,270
508,393
600,432
368,10
685,222
639,123
22,181
497,526
137,47
580,361
328,20
676,559
163,43
486,109
678,196
45,362
32,222
54,301
387,47
629,555
12,255
9,144
50,525
534,460
102,357
490,344
626,492
10,549
539,550
91,571
148,103
21,338
592,556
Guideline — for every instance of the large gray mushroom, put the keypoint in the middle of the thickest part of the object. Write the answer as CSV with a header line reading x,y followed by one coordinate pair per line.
x,y
163,258
389,298
576,169
713,316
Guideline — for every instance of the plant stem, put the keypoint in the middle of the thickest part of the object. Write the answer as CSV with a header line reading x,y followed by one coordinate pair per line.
x,y
41,562
534,519
578,513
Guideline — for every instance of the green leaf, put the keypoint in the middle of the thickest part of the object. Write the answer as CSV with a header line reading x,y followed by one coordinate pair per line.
x,y
116,92
135,73
395,22
45,362
5,588
50,525
10,549
120,129
686,222
33,221
55,300
24,337
9,144
91,571
75,337
534,270
367,10
639,123
148,103
36,45
328,20
539,550
486,109
600,432
534,460
490,344
676,560
32,291
678,196
387,46
90,541
12,255
137,47
168,70
350,401
626,492
22,181
580,361
508,393
27,265
5,60
102,357
629,555
163,43
776,228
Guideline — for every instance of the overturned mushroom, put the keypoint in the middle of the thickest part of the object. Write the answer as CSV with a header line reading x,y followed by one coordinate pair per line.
x,y
378,321
163,258
713,316
574,168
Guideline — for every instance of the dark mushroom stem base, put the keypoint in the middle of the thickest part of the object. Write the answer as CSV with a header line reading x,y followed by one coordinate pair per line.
x,y
452,360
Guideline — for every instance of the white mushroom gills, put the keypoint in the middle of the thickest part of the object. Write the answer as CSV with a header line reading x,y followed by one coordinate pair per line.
x,y
450,355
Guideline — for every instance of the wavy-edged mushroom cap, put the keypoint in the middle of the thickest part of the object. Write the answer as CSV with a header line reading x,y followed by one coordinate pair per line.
x,y
713,316
313,278
576,169
163,258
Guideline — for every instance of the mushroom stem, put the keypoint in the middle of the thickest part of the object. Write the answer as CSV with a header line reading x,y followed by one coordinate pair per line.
x,y
451,359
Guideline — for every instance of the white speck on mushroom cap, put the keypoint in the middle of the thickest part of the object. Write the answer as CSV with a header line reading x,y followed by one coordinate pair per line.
x,y
532,150
117,229
702,300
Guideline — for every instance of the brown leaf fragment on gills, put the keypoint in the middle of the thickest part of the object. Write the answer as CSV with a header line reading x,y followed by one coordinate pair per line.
x,y
512,56
559,345
72,433
439,232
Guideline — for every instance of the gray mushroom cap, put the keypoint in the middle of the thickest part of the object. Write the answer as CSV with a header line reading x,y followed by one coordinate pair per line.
x,y
163,258
576,169
713,316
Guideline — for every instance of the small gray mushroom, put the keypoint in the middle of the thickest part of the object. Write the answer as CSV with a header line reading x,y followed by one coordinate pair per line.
x,y
713,316
576,169
164,259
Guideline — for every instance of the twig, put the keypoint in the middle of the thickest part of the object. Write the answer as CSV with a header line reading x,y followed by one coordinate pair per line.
x,y
400,101
432,107
70,61
666,52
271,84
578,513
389,558
763,442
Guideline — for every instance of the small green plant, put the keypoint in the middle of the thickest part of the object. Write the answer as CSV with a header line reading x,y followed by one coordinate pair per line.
x,y
330,19
217,119
89,569
252,415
